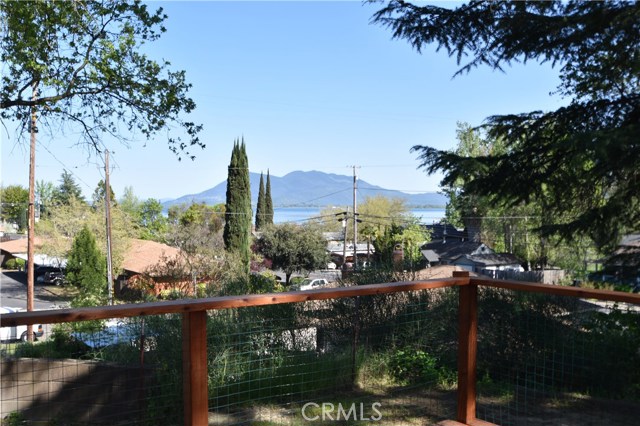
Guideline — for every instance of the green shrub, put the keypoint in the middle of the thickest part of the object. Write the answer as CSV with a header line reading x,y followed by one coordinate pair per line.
x,y
15,264
13,419
414,366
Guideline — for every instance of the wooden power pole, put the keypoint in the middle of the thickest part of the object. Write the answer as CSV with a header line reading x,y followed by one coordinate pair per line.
x,y
107,210
31,212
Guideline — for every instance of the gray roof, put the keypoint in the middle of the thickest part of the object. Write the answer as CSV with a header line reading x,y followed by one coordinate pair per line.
x,y
453,249
493,259
431,256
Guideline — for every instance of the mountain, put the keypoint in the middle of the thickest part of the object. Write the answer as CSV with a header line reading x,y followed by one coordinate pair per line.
x,y
311,189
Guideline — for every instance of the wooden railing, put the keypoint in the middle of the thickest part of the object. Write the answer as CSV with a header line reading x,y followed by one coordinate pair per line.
x,y
194,344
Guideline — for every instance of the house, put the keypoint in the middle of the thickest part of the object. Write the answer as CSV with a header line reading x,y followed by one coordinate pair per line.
x,y
142,258
446,231
17,249
153,267
446,252
487,264
143,255
470,256
337,251
624,262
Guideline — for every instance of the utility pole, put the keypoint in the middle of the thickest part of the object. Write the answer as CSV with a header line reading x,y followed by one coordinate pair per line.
x,y
107,210
31,209
355,220
344,236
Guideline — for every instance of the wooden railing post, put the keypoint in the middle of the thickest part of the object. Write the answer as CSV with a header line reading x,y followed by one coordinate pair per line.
x,y
467,348
194,368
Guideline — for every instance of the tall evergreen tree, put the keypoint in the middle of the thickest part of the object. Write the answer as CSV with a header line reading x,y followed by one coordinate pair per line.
x,y
260,208
268,202
86,270
100,192
68,189
237,227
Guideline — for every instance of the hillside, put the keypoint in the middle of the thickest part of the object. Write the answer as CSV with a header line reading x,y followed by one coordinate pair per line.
x,y
311,189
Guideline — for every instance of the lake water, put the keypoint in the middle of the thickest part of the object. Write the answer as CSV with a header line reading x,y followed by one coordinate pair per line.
x,y
303,214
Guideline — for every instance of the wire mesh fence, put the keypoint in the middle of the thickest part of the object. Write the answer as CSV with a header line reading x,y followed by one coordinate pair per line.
x,y
387,358
114,372
551,360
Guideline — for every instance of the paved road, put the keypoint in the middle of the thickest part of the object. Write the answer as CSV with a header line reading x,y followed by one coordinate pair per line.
x,y
13,292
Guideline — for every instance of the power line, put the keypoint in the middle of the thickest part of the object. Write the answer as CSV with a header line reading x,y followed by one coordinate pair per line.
x,y
67,168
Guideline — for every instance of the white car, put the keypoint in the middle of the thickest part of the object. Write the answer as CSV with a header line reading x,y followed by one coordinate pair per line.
x,y
312,283
18,332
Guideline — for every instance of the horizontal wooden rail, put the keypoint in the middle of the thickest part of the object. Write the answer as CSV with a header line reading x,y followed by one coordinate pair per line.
x,y
242,301
560,290
54,316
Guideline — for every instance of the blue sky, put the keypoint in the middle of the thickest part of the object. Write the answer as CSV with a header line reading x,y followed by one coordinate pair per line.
x,y
310,86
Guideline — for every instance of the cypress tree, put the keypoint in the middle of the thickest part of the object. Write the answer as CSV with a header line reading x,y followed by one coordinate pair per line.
x,y
260,208
268,203
237,227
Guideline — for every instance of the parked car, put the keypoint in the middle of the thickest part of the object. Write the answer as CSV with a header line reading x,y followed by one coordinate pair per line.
x,y
46,274
55,278
18,332
311,284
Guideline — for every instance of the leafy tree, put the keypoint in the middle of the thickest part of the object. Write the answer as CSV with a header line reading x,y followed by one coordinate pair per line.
x,y
268,202
45,193
379,212
130,204
14,200
153,224
237,227
99,194
410,235
85,59
67,190
86,270
579,160
65,221
260,207
197,230
208,217
374,213
293,248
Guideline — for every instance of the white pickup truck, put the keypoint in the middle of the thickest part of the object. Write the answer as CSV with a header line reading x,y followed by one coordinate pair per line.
x,y
11,333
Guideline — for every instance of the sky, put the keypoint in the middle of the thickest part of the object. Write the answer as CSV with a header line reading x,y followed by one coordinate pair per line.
x,y
309,86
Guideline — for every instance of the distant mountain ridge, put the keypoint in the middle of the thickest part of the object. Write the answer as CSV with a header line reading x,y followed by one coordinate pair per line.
x,y
311,189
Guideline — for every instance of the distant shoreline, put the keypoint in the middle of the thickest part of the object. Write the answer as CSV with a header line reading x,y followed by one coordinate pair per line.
x,y
310,206
299,214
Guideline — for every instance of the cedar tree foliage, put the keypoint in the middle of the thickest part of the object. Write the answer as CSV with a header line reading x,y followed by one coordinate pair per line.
x,y
260,207
580,160
238,213
83,60
268,202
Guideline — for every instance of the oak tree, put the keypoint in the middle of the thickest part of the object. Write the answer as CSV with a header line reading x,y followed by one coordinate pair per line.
x,y
81,66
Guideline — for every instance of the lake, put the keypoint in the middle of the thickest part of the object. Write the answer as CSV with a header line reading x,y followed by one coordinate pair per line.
x,y
303,214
